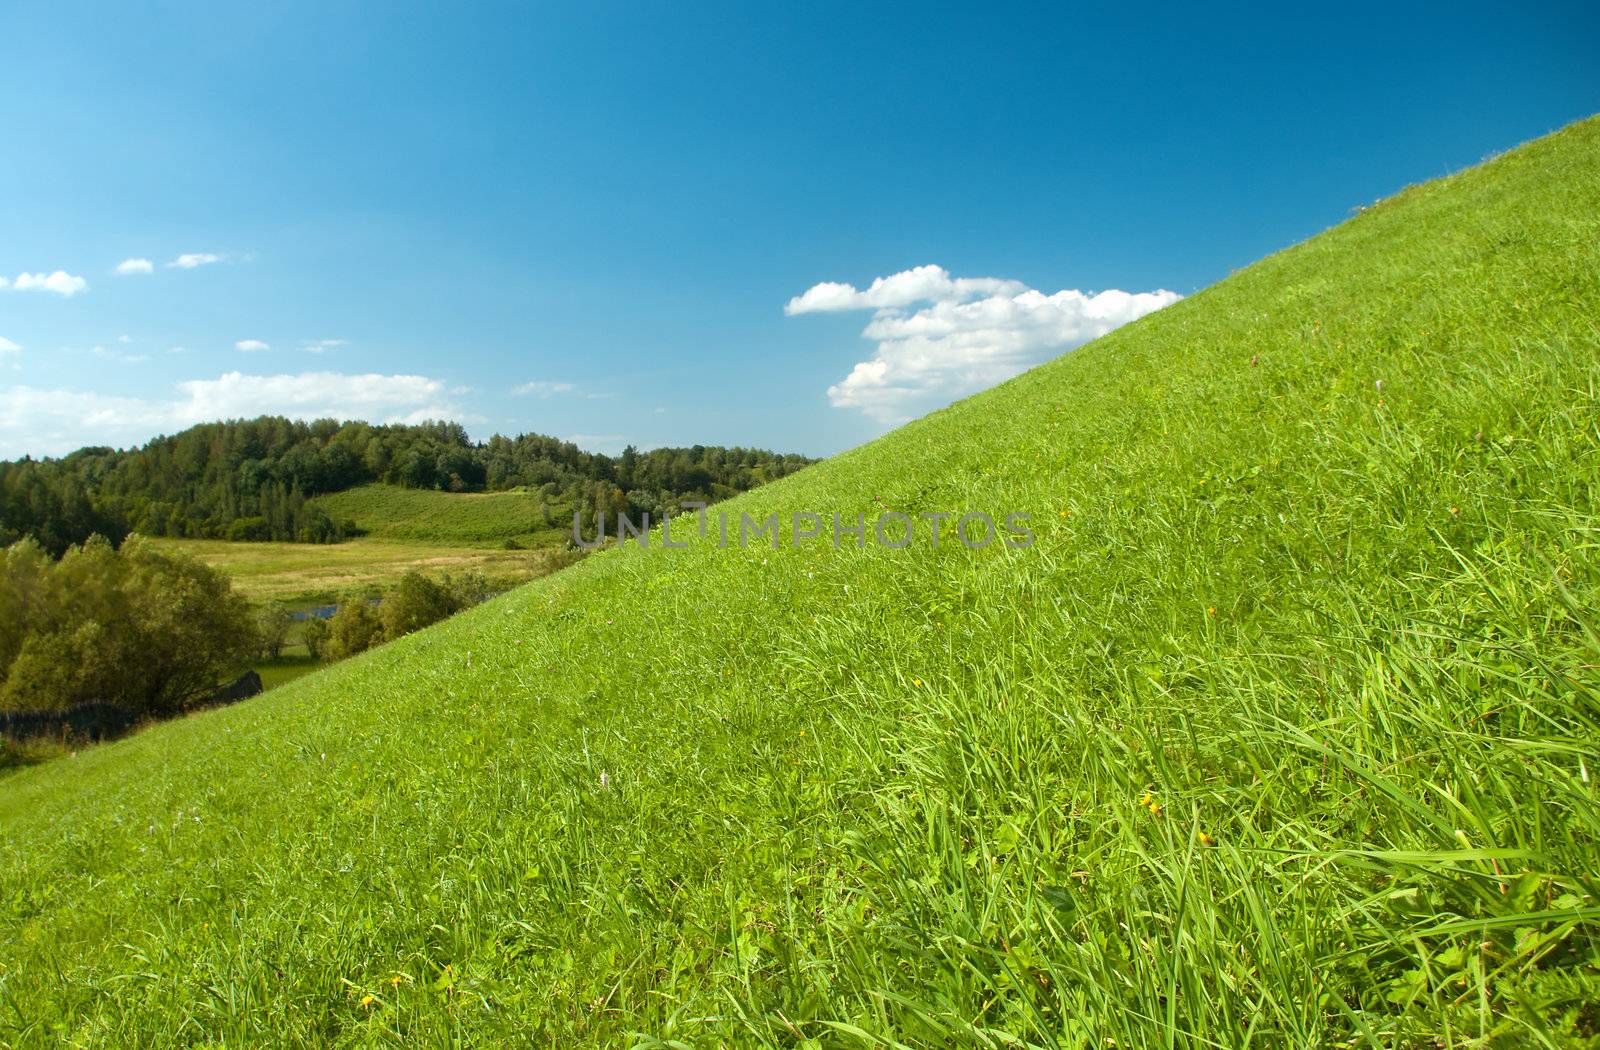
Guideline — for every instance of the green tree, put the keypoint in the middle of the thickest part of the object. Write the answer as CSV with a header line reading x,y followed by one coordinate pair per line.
x,y
273,622
315,636
415,602
354,628
24,577
136,628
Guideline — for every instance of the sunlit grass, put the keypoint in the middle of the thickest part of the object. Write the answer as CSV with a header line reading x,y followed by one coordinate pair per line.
x,y
462,519
1283,733
311,573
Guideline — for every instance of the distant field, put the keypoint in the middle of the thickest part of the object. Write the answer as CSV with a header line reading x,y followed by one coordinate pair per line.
x,y
305,573
454,518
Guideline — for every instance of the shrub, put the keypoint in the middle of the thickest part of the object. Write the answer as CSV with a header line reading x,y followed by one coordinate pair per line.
x,y
141,630
315,636
415,602
249,529
354,628
272,623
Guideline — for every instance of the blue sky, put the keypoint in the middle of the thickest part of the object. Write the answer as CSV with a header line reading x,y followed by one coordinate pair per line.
x,y
588,220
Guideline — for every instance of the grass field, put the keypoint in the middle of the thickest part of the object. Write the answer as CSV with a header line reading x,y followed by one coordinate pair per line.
x,y
450,518
1283,733
311,573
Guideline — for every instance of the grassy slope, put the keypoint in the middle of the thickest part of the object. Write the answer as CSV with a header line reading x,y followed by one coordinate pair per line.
x,y
750,796
463,519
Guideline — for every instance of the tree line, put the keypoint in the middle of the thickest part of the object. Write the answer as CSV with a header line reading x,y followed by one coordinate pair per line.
x,y
256,479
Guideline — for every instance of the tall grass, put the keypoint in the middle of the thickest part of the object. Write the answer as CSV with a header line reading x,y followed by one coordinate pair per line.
x,y
1282,734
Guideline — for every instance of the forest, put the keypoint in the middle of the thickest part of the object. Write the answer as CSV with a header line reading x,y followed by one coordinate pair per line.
x,y
257,479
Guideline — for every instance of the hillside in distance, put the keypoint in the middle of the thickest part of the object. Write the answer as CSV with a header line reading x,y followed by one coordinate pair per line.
x,y
466,519
1281,733
259,479
509,536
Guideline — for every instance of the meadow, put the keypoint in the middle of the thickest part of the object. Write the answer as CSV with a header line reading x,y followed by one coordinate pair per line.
x,y
303,574
1283,733
391,512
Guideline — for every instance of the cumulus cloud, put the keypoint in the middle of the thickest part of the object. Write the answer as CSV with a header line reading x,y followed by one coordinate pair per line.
x,y
51,422
8,347
322,346
310,395
133,266
919,284
940,338
543,388
193,260
251,346
61,282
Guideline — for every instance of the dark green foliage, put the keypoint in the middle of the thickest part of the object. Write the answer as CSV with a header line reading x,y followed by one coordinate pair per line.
x,y
57,501
314,635
141,631
273,621
354,628
414,603
255,479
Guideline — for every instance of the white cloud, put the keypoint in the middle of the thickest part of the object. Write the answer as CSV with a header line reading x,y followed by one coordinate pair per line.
x,y
52,422
61,282
319,346
309,395
193,260
940,338
920,284
251,346
8,347
133,266
543,388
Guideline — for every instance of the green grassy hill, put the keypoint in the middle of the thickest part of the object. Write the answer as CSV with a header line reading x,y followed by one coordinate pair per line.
x,y
1283,733
455,518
